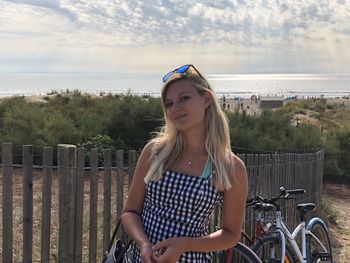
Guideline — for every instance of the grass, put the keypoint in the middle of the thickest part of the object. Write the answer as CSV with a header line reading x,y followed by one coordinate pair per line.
x,y
329,211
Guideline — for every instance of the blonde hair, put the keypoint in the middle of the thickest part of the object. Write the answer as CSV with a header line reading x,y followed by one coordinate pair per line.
x,y
169,143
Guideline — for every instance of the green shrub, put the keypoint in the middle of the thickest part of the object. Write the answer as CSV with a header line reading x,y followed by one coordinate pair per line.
x,y
125,121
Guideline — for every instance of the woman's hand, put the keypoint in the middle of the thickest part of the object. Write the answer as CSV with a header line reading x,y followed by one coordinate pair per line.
x,y
168,251
146,253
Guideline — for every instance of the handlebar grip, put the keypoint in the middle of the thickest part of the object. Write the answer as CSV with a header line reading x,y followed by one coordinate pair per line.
x,y
249,201
296,191
253,200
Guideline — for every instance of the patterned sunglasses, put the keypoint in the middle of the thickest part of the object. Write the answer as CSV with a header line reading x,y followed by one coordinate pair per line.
x,y
181,70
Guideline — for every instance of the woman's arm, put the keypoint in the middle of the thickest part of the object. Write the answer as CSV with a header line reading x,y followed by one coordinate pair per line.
x,y
232,220
131,216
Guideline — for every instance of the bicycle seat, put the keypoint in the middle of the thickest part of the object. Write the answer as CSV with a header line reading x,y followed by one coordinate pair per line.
x,y
262,207
306,207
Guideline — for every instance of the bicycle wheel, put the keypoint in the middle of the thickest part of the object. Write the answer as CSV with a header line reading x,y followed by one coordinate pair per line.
x,y
318,247
268,249
241,254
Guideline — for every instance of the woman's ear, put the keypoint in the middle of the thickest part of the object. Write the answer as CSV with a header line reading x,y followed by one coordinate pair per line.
x,y
207,99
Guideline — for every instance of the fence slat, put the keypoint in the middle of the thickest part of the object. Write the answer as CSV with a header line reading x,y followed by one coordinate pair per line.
x,y
107,198
66,158
27,153
46,204
79,206
7,199
320,162
120,184
132,162
72,180
252,186
93,206
62,232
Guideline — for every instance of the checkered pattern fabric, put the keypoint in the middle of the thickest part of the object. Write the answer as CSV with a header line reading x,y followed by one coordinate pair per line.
x,y
179,205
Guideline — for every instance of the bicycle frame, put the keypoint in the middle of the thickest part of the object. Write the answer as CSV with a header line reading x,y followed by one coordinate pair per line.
x,y
285,233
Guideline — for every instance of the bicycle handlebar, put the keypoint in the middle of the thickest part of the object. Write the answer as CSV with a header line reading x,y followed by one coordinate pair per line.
x,y
254,200
284,193
296,191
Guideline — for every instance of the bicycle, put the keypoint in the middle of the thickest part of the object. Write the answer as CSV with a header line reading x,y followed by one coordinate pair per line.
x,y
241,253
263,225
315,244
233,254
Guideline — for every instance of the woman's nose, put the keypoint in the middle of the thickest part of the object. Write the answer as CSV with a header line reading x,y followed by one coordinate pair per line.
x,y
176,106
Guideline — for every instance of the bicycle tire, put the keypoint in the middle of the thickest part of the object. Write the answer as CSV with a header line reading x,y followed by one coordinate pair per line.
x,y
314,251
241,254
263,247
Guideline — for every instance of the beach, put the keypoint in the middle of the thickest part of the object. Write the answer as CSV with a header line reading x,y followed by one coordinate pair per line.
x,y
255,105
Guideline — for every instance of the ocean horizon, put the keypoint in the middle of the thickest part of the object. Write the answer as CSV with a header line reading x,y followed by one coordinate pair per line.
x,y
231,85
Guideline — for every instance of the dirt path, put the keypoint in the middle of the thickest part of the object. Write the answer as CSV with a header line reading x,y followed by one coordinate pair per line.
x,y
339,197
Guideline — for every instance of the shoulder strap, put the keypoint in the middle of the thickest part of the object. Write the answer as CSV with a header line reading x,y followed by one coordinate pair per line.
x,y
208,169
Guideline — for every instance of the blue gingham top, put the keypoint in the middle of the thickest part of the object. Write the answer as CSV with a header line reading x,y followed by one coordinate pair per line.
x,y
180,205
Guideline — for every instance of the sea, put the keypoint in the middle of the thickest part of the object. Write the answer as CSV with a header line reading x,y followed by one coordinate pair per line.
x,y
230,85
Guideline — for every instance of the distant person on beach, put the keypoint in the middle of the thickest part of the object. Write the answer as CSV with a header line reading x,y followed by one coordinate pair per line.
x,y
182,174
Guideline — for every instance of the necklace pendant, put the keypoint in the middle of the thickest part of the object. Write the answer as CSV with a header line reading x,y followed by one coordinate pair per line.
x,y
189,162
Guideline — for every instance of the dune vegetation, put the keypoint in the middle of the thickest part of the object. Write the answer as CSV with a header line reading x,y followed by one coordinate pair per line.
x,y
127,122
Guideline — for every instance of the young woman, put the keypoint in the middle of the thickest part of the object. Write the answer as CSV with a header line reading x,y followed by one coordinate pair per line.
x,y
182,174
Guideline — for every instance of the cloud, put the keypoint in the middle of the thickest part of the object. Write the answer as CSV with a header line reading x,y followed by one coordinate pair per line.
x,y
78,28
180,21
49,4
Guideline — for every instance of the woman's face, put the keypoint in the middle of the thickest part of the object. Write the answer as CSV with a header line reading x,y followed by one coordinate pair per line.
x,y
184,106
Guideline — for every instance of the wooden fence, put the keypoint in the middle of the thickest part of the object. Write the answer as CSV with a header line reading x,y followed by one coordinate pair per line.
x,y
88,211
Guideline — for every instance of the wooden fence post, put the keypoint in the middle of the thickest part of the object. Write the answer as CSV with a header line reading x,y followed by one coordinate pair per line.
x,y
320,163
7,199
120,184
132,162
46,204
252,184
79,205
93,206
66,156
107,198
27,153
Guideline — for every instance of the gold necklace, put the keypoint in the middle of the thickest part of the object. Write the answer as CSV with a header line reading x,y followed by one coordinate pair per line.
x,y
190,161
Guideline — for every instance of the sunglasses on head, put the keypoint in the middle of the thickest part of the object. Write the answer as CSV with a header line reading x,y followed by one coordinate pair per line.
x,y
181,70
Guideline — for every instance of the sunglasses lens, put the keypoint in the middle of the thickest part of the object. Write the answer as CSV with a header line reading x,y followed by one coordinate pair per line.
x,y
183,69
167,76
180,70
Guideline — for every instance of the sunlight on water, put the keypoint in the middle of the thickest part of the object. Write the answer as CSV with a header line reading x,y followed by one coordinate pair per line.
x,y
244,85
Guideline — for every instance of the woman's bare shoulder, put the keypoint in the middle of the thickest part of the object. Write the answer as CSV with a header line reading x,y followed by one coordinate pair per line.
x,y
147,153
238,168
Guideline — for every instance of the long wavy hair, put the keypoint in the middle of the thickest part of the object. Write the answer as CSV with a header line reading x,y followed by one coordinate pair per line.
x,y
169,143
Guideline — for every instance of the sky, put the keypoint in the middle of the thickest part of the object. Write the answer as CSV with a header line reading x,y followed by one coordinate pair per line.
x,y
227,36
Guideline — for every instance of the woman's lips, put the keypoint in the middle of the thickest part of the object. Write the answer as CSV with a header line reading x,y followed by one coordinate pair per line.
x,y
180,117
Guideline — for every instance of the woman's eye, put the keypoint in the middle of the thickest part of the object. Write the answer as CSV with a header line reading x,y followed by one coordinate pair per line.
x,y
184,98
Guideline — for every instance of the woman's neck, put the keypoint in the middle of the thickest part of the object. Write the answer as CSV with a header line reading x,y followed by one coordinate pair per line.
x,y
195,142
